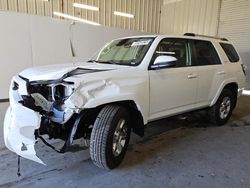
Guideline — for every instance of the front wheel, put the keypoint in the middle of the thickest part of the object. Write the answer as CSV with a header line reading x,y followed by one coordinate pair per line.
x,y
110,137
221,112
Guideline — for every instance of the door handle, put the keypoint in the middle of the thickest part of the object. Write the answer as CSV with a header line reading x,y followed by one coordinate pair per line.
x,y
192,76
221,73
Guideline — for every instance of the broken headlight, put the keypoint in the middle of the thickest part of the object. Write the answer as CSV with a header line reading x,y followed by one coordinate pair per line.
x,y
52,92
60,92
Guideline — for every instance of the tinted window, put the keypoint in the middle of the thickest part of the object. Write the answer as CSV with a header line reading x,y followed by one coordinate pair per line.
x,y
204,53
173,47
230,52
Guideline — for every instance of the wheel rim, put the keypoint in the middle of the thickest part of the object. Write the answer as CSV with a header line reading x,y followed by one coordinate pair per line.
x,y
119,138
225,107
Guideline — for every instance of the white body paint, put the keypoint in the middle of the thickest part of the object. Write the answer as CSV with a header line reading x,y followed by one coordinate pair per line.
x,y
156,93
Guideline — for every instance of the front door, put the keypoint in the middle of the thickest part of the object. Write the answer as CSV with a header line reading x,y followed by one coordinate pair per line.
x,y
173,90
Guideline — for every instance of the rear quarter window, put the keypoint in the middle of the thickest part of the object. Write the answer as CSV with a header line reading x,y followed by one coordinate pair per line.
x,y
230,52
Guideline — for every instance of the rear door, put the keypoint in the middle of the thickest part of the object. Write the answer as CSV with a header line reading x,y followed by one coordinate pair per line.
x,y
210,70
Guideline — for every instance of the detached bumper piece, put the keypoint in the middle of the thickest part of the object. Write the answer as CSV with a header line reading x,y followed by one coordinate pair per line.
x,y
20,123
19,126
30,116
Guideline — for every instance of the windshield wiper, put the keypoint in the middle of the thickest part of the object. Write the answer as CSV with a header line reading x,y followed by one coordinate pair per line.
x,y
108,62
105,62
92,61
131,63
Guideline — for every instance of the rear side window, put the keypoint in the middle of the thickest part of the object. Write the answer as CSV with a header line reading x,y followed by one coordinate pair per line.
x,y
230,52
204,53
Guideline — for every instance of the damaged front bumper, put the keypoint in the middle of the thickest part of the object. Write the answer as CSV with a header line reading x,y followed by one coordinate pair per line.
x,y
20,124
19,131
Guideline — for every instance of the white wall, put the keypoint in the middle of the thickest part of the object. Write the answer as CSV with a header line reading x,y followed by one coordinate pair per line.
x,y
49,40
195,16
27,41
235,25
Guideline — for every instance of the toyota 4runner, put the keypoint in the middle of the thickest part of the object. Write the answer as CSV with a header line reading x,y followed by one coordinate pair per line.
x,y
129,83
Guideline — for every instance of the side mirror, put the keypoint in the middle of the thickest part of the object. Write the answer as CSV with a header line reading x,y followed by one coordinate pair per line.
x,y
164,61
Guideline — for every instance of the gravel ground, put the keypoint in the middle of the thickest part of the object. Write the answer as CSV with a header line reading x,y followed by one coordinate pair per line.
x,y
183,151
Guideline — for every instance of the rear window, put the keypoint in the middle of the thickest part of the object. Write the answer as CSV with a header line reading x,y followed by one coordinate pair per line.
x,y
230,52
204,53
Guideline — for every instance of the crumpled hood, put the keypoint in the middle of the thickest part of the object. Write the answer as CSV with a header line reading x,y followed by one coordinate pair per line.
x,y
54,72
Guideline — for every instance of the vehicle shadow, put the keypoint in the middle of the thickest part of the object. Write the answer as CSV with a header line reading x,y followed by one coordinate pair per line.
x,y
166,134
168,130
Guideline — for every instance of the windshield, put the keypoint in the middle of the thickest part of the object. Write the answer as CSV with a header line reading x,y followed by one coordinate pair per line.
x,y
130,51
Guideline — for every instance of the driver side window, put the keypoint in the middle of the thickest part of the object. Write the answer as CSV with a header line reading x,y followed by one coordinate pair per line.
x,y
177,48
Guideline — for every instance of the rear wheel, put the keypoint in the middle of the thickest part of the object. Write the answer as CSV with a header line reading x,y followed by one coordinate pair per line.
x,y
110,137
221,112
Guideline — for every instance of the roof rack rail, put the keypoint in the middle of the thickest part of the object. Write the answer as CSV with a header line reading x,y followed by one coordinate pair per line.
x,y
197,35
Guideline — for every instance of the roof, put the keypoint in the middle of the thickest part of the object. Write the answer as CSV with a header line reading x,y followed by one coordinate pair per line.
x,y
185,36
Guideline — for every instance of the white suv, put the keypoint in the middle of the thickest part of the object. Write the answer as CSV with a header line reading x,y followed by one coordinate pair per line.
x,y
129,83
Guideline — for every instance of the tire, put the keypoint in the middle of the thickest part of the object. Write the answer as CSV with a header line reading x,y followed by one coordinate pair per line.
x,y
221,112
106,135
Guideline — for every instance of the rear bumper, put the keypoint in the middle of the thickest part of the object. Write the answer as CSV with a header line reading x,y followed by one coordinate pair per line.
x,y
240,91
